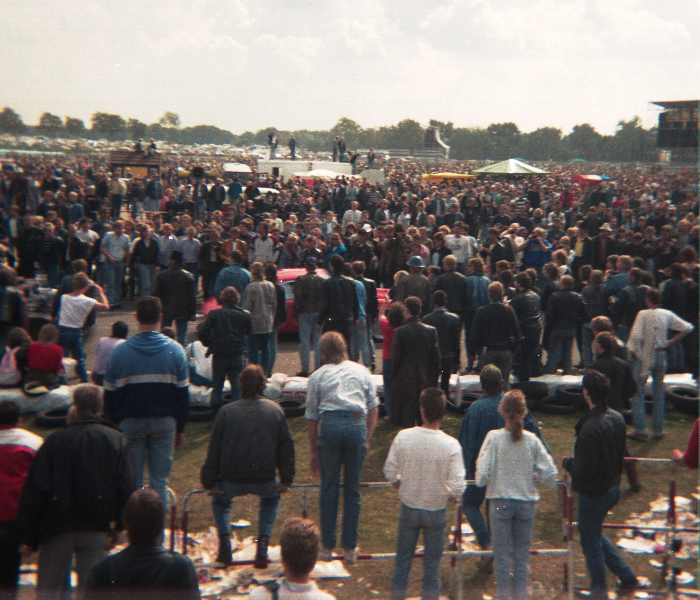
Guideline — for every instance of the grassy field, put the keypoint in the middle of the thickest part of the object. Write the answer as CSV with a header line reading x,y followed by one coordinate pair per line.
x,y
370,579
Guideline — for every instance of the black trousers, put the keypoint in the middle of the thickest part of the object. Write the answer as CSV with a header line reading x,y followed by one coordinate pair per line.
x,y
342,326
9,559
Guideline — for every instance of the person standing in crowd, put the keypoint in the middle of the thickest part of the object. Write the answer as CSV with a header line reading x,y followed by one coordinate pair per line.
x,y
425,465
482,417
415,365
414,284
233,275
270,271
447,326
144,253
105,345
526,305
566,313
511,461
210,263
299,549
477,288
59,511
147,395
595,472
308,294
260,300
494,332
13,312
17,450
366,348
144,569
340,308
115,252
341,412
175,289
250,443
648,346
224,332
456,289
395,317
73,312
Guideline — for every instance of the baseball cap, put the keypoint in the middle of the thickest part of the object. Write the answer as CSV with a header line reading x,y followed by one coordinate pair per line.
x,y
310,260
415,261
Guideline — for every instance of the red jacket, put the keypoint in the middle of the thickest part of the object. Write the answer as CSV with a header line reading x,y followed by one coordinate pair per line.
x,y
17,450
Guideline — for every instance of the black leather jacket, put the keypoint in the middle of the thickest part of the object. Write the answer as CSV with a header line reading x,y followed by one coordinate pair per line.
x,y
448,328
308,293
224,330
526,305
339,299
565,310
598,453
455,286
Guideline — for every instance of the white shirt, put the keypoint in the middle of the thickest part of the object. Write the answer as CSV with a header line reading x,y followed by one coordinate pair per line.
x,y
344,387
291,591
650,332
104,348
461,247
429,464
510,469
74,310
87,235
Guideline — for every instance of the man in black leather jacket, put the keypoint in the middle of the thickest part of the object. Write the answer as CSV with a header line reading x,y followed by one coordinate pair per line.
x,y
527,307
566,312
447,325
595,474
339,304
223,332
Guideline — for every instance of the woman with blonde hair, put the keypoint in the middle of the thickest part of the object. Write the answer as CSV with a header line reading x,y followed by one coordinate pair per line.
x,y
511,461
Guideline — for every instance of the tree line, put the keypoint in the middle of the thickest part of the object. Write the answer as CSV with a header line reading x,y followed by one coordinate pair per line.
x,y
631,142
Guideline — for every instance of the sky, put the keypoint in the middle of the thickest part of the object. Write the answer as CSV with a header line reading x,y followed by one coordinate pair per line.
x,y
245,65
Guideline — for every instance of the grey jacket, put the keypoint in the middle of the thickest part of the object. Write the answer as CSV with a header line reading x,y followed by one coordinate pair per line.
x,y
260,300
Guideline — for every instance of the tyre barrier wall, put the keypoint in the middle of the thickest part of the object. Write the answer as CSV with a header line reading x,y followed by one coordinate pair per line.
x,y
456,554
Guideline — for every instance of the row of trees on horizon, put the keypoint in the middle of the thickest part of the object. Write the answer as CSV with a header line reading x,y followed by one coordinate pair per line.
x,y
630,143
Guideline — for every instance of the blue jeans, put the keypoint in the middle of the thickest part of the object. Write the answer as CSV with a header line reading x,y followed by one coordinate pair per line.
x,y
309,333
472,499
561,342
152,439
272,345
341,444
386,374
358,337
511,528
225,365
269,501
147,276
658,370
71,341
597,549
180,328
258,345
411,521
114,275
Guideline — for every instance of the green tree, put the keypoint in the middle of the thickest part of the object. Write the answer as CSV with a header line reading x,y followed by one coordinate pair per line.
x,y
348,129
584,142
170,119
542,144
206,134
74,126
136,129
470,144
50,124
10,121
631,142
505,138
107,125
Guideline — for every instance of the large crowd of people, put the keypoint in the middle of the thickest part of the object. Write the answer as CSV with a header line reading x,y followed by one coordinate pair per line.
x,y
519,269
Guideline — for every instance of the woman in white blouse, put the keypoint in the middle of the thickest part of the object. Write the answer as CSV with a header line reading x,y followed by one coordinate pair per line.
x,y
510,462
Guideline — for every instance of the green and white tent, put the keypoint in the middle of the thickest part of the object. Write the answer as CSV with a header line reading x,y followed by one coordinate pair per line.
x,y
512,166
